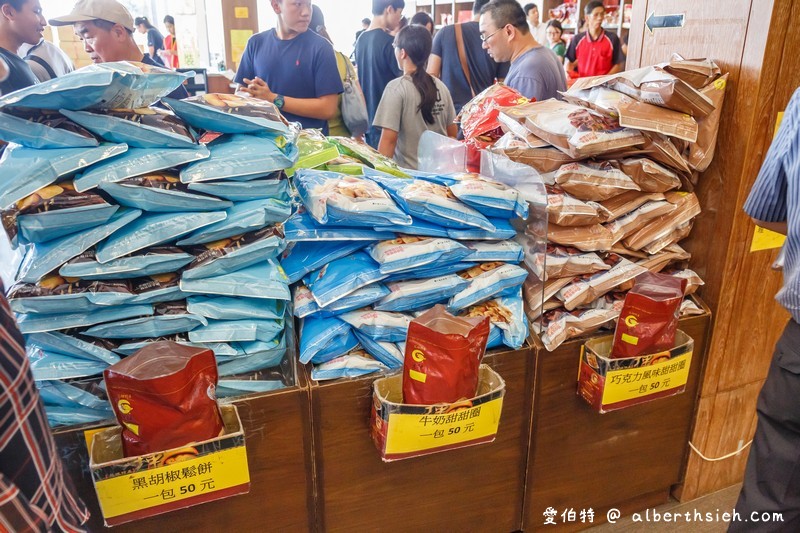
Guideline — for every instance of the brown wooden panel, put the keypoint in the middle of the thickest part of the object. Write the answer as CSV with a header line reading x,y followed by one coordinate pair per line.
x,y
231,22
725,422
278,438
471,489
581,459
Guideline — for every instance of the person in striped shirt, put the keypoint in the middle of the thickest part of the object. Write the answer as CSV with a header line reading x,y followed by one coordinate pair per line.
x,y
35,492
772,477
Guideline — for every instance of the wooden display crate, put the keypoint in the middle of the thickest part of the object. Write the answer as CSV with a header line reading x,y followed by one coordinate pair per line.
x,y
472,489
277,428
627,459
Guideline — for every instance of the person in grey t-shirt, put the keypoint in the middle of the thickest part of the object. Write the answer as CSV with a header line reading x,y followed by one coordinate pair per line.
x,y
413,103
535,70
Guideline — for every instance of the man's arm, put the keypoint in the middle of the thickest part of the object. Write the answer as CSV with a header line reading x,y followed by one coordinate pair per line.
x,y
452,131
571,57
323,108
777,227
388,142
616,68
435,66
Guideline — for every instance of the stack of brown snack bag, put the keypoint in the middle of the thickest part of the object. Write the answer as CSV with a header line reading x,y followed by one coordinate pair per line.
x,y
620,157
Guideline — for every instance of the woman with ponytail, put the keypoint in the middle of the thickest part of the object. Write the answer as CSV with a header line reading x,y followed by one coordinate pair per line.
x,y
414,102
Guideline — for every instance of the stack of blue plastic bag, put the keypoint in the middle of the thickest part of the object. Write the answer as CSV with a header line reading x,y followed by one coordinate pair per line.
x,y
368,253
135,229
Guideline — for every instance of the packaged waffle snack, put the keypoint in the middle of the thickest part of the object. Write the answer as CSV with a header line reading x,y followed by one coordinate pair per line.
x,y
432,202
23,171
113,85
339,199
241,157
507,315
43,258
408,252
304,257
246,330
263,280
485,281
591,238
566,210
234,253
531,151
54,294
687,207
323,339
301,226
233,308
146,127
638,218
620,205
383,326
164,397
157,288
590,287
273,185
560,325
649,175
341,277
577,131
42,130
488,197
229,113
696,72
368,155
594,181
442,356
503,251
242,217
563,262
38,323
163,193
420,294
55,211
72,345
167,319
388,353
352,365
540,296
702,152
150,261
649,316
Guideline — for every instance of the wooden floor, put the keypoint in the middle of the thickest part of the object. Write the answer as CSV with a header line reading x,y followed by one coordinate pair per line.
x,y
715,504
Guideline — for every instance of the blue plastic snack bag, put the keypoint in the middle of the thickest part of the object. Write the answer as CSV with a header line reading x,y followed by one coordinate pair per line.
x,y
487,280
417,227
420,294
238,156
333,198
42,259
382,326
241,218
324,339
257,356
387,353
153,229
36,323
138,162
167,319
275,186
507,315
229,113
54,294
47,366
238,252
146,127
69,404
490,198
495,339
44,132
264,280
150,261
354,364
114,85
503,251
23,171
305,257
339,278
55,211
229,388
503,231
355,300
160,193
302,227
433,203
55,342
430,271
409,252
231,308
303,302
158,288
237,331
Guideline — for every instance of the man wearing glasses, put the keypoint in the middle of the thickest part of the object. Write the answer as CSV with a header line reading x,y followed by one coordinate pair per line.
x,y
292,67
535,70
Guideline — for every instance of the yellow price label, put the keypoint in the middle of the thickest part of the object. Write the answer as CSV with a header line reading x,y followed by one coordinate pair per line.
x,y
764,239
632,383
241,12
128,493
408,433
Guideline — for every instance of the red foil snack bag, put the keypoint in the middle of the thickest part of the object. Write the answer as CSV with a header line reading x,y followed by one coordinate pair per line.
x,y
649,316
164,397
443,353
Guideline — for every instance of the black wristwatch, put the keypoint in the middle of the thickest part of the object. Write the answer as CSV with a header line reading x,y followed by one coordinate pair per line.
x,y
278,101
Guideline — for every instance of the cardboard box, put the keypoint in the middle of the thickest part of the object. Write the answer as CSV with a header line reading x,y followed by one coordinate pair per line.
x,y
132,488
610,384
402,431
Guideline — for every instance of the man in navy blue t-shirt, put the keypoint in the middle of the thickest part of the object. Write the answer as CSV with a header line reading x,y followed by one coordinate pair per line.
x,y
375,59
292,67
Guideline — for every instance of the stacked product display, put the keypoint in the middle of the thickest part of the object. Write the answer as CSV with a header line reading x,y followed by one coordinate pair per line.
x,y
134,228
620,156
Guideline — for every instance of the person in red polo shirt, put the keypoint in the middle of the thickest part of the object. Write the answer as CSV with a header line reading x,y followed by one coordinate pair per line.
x,y
594,52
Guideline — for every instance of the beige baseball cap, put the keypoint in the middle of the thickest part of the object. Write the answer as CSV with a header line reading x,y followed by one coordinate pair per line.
x,y
86,10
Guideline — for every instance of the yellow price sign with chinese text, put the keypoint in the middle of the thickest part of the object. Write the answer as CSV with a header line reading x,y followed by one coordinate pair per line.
x,y
633,383
128,493
409,433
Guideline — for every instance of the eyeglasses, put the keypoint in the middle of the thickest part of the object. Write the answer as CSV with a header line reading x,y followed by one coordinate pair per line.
x,y
485,38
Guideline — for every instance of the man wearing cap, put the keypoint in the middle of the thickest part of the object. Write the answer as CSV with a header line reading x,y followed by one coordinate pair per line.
x,y
106,29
